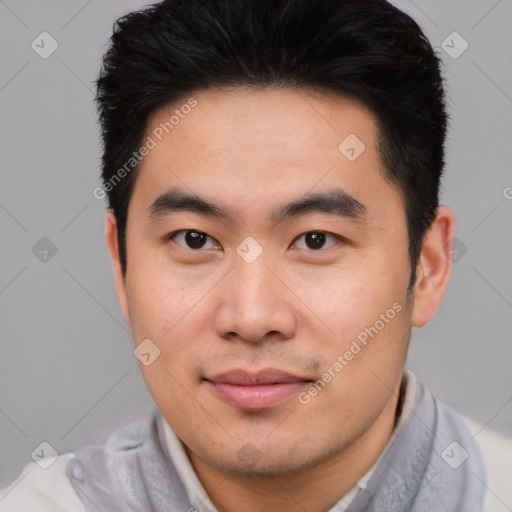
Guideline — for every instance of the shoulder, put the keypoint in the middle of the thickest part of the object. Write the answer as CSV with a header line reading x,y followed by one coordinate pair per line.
x,y
44,490
496,451
58,487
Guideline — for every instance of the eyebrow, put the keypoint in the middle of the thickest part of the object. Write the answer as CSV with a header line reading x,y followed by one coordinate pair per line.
x,y
335,202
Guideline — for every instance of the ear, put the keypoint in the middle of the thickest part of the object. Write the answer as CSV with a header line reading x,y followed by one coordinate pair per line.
x,y
434,267
111,239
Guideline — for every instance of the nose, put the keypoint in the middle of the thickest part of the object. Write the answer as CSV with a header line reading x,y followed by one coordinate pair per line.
x,y
256,303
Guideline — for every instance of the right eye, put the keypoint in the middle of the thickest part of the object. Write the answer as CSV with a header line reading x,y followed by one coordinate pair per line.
x,y
190,239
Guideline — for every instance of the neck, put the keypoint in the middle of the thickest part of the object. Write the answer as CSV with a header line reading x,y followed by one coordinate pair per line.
x,y
317,489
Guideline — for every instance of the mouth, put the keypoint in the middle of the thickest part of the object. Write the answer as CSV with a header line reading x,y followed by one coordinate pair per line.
x,y
256,391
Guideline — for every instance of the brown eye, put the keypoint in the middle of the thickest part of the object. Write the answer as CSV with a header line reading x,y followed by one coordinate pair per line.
x,y
190,239
316,240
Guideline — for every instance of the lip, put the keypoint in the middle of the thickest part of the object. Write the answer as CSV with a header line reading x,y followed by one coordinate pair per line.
x,y
255,391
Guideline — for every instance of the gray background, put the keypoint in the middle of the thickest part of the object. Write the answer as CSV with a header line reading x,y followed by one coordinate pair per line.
x,y
67,372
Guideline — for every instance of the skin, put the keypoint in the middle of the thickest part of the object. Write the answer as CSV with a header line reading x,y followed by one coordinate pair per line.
x,y
294,308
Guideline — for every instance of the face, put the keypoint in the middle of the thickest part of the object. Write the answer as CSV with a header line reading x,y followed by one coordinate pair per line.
x,y
282,331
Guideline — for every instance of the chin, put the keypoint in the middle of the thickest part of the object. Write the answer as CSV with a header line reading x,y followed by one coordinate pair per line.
x,y
248,460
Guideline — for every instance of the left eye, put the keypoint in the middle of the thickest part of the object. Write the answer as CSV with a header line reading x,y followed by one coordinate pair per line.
x,y
315,240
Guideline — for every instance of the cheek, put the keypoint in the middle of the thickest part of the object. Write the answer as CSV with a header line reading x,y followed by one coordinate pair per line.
x,y
363,367
165,308
347,300
160,299
163,312
364,334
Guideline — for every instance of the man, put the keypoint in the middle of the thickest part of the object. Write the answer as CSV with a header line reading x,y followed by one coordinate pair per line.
x,y
272,170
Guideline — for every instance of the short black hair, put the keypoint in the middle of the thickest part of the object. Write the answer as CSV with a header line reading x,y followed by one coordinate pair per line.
x,y
364,49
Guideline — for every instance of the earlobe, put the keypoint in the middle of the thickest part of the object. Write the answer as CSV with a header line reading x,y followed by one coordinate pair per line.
x,y
111,240
434,267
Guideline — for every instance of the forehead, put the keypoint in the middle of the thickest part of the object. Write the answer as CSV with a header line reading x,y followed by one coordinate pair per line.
x,y
237,120
250,147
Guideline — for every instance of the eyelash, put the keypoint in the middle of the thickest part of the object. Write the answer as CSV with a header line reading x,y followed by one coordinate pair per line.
x,y
173,235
